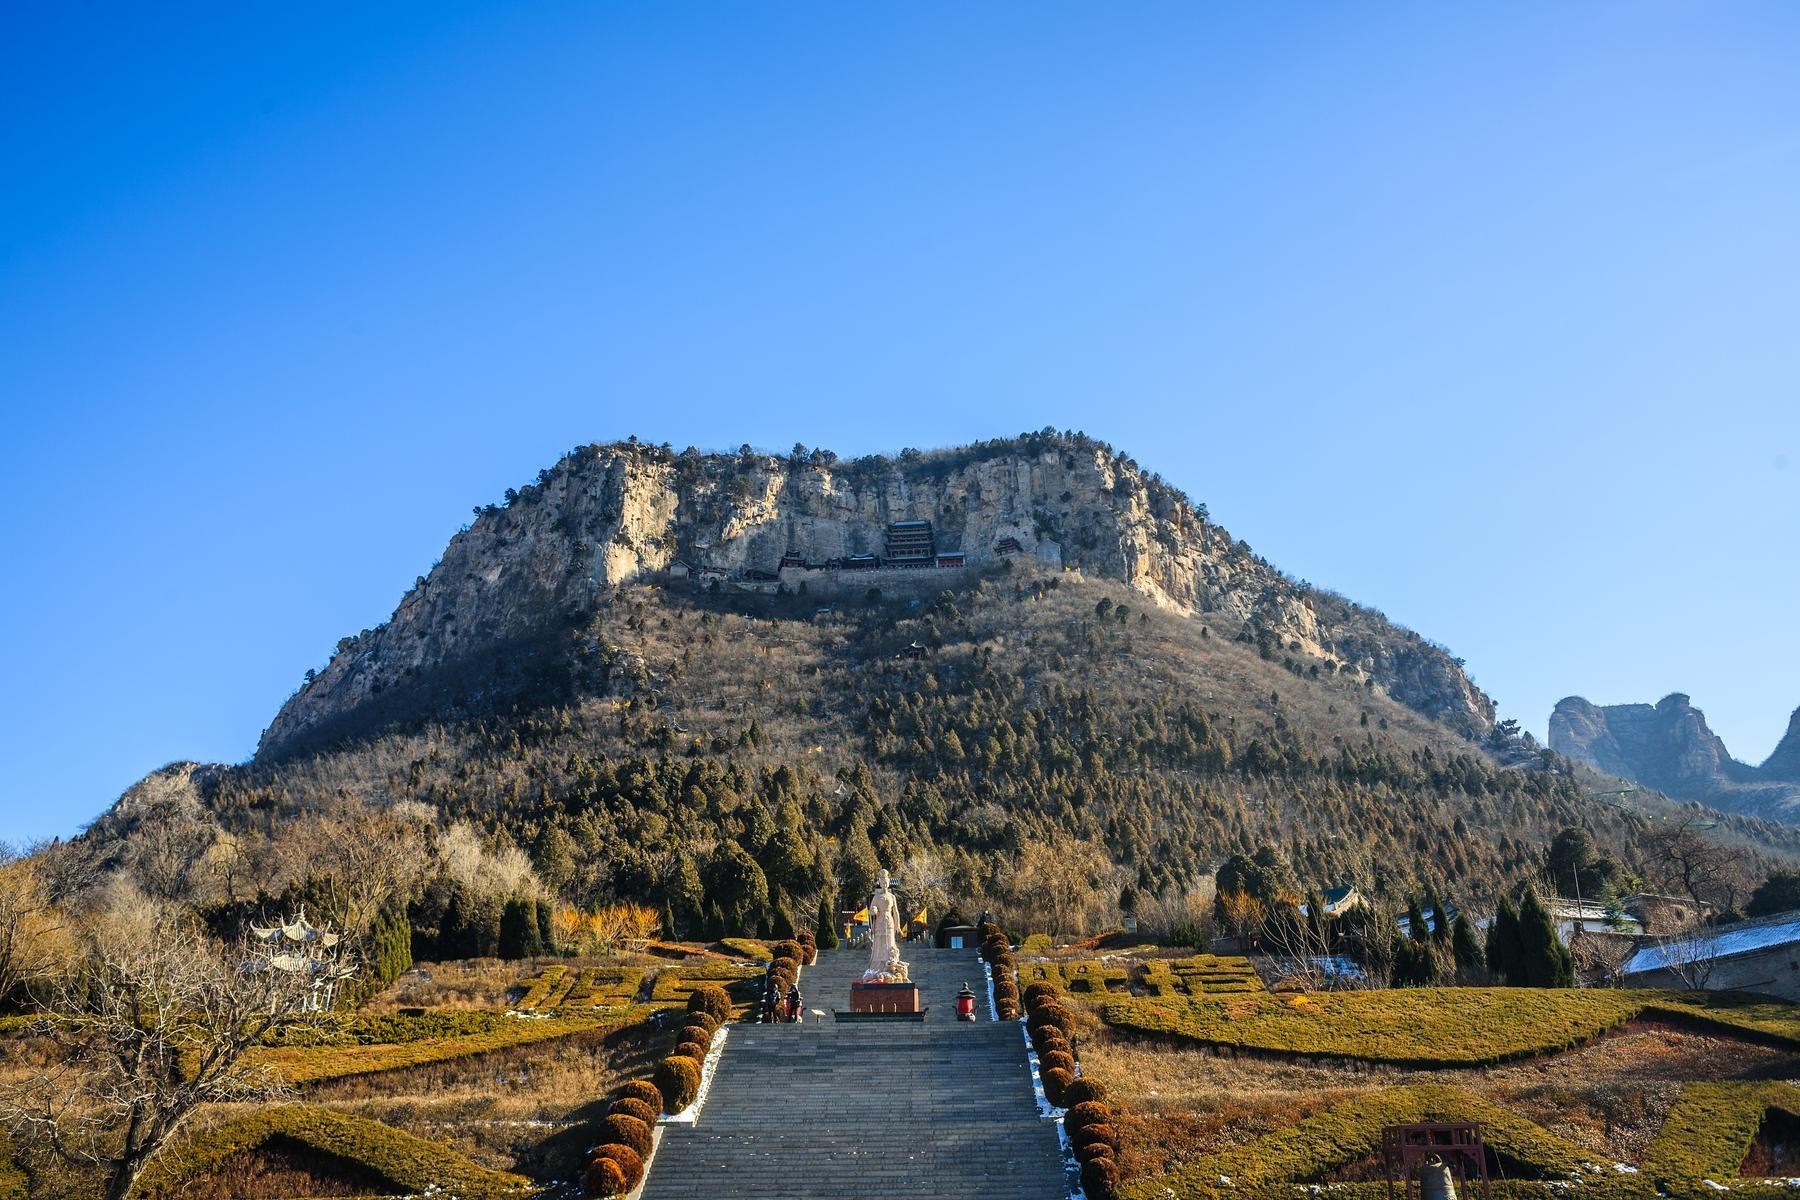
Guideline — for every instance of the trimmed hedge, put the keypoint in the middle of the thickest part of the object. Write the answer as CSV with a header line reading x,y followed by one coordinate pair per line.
x,y
312,1064
617,1128
595,986
1710,1128
678,1079
1438,1027
606,1178
411,1164
712,1000
632,1106
746,948
1351,1131
631,1163
645,1092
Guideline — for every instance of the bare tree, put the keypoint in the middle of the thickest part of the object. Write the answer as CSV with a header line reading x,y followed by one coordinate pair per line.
x,y
1689,956
154,1021
32,938
1706,870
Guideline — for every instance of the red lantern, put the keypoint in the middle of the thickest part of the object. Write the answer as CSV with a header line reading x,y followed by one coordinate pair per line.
x,y
965,1004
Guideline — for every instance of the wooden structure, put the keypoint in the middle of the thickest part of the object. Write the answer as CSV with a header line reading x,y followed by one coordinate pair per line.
x,y
910,544
1405,1149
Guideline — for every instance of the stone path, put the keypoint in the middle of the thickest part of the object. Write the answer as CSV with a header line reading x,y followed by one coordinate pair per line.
x,y
827,1110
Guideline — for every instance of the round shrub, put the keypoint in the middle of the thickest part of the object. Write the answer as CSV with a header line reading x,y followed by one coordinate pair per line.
x,y
711,1000
1048,1037
693,1051
618,1129
631,1163
697,1031
1009,1010
631,1106
1084,1089
1058,1060
1056,1081
1088,1112
1091,1150
789,948
605,1178
1100,1133
678,1079
1041,990
1100,1178
1051,1013
642,1089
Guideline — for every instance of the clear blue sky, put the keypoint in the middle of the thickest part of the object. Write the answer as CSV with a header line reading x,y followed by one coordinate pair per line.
x,y
1488,316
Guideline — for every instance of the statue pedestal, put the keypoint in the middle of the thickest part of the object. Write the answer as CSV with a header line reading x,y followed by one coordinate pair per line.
x,y
883,1002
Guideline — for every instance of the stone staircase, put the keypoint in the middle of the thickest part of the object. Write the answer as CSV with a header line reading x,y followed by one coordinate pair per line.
x,y
882,1110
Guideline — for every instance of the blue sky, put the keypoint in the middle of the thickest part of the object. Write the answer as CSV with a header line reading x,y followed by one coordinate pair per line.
x,y
1485,316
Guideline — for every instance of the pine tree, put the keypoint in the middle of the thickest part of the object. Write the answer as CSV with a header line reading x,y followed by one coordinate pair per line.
x,y
518,929
1545,961
1503,949
1416,929
668,929
546,929
1440,921
713,928
825,932
1463,945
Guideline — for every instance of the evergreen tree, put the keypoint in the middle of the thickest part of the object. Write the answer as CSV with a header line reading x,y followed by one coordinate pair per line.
x,y
453,933
825,931
1464,948
1504,952
713,927
668,930
1416,929
518,929
1440,921
546,929
781,926
1544,960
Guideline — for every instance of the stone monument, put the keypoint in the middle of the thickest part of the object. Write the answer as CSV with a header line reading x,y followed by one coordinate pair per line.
x,y
884,991
884,945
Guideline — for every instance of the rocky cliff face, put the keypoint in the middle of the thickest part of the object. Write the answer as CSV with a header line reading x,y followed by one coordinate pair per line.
x,y
1668,746
607,517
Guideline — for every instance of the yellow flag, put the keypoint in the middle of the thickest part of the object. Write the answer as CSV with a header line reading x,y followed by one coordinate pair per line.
x,y
920,919
861,917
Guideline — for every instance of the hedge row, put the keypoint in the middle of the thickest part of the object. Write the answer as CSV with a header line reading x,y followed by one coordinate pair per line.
x,y
313,1064
1081,977
596,986
996,948
389,1029
746,948
1710,1128
1090,1120
548,982
623,1137
409,1163
1351,1131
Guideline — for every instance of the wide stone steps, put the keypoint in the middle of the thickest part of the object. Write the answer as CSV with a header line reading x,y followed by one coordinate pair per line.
x,y
828,1110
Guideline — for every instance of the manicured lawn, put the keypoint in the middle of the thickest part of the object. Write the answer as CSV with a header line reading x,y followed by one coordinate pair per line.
x,y
1710,1128
1433,1027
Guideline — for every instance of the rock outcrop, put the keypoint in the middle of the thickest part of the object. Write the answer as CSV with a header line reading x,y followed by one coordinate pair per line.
x,y
1669,746
608,517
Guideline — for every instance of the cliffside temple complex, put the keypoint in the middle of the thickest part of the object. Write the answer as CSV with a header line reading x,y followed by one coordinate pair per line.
x,y
909,545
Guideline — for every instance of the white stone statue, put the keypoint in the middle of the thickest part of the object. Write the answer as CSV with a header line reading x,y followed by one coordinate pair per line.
x,y
884,947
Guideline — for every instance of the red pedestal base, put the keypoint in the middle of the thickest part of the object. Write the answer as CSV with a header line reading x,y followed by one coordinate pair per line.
x,y
884,999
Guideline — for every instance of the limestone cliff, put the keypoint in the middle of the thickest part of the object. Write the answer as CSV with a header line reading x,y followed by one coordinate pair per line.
x,y
1669,746
608,517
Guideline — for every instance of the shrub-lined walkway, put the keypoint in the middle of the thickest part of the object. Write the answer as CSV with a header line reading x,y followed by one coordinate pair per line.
x,y
935,1110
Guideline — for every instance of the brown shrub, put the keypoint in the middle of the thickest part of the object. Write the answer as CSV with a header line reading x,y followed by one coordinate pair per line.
x,y
631,1106
1048,1038
1100,1178
1051,1013
1042,990
642,1089
712,1000
625,1131
1088,1089
789,949
1056,1082
631,1163
1100,1133
1091,1150
692,1050
606,1178
1058,1060
1088,1112
1008,1009
678,1079
697,1029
